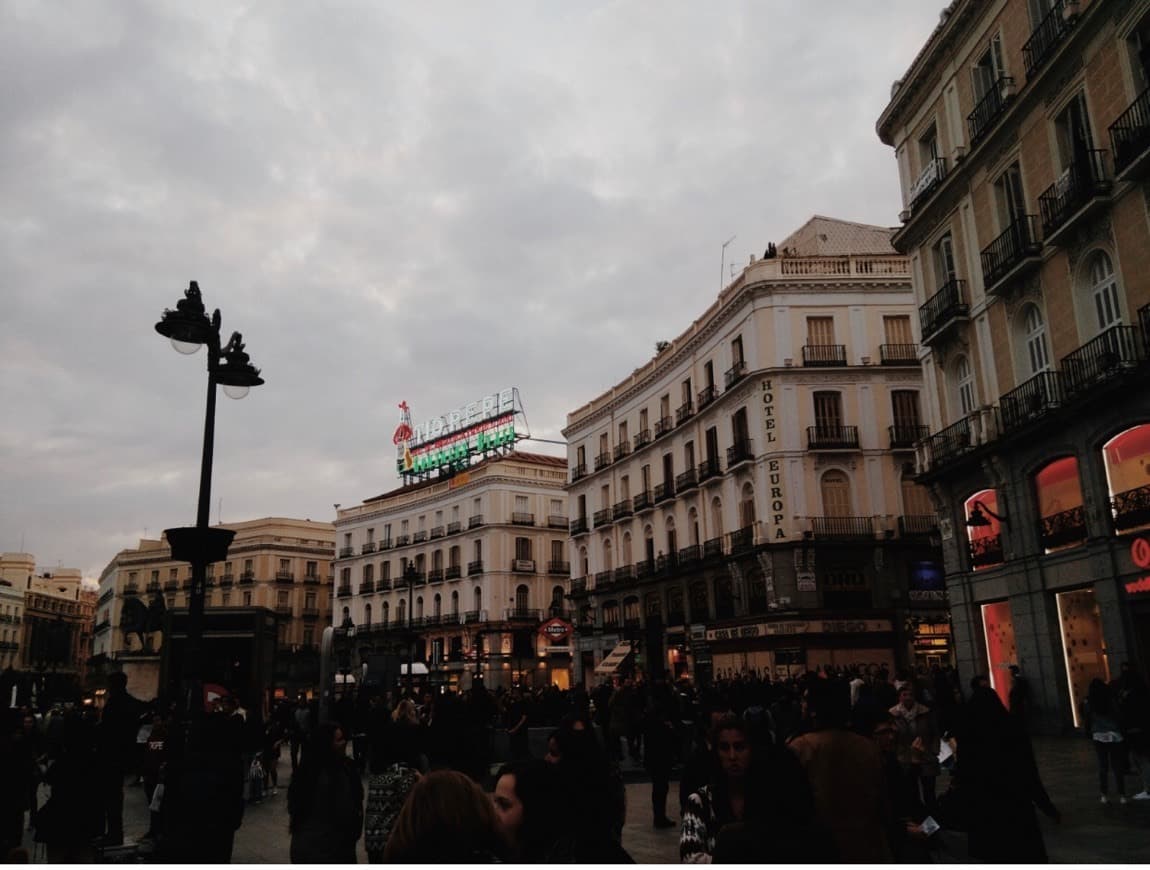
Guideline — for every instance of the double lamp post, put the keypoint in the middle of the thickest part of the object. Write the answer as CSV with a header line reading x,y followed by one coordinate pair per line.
x,y
188,327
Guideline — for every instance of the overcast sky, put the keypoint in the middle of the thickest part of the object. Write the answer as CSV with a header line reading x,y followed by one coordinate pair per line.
x,y
421,201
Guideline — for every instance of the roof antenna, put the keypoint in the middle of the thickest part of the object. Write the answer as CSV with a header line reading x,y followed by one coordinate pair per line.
x,y
723,262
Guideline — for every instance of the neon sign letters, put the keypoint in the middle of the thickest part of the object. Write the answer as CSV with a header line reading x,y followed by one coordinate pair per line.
x,y
454,438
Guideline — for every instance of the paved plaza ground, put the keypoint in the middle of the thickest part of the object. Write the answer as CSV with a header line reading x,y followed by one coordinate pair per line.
x,y
1089,833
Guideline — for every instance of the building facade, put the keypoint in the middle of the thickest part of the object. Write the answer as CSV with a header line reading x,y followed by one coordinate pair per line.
x,y
464,570
1022,137
11,625
745,500
279,564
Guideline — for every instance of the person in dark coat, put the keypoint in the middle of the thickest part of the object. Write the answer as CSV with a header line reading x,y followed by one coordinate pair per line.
x,y
596,800
998,779
659,748
18,761
72,816
325,801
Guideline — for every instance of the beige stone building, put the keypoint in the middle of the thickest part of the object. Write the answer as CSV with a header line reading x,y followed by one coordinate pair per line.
x,y
1022,138
488,548
277,563
744,500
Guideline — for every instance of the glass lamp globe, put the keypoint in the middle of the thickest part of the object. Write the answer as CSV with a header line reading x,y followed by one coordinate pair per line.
x,y
235,392
185,347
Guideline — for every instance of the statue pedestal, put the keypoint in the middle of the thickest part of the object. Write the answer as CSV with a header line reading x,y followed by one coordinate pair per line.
x,y
143,672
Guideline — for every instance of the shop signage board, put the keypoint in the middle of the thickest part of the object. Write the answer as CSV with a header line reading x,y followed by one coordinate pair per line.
x,y
927,582
556,630
796,626
1140,555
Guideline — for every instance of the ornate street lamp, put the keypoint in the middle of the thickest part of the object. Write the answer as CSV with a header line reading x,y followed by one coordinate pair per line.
x,y
188,327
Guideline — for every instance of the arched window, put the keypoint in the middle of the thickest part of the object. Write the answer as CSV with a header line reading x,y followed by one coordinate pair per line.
x,y
419,607
649,544
724,597
437,603
455,603
700,609
672,538
401,611
1034,335
557,595
631,616
521,593
1060,504
625,556
835,487
747,506
716,518
675,613
368,574
367,614
385,612
985,535
964,385
346,614
1127,458
608,562
478,599
437,560
693,527
585,566
1104,291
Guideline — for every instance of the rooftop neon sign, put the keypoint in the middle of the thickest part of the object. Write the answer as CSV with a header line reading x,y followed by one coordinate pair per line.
x,y
454,439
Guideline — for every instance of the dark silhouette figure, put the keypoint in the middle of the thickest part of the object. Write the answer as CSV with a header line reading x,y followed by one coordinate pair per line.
x,y
116,743
325,801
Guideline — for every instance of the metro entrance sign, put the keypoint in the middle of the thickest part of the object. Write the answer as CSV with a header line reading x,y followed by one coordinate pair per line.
x,y
555,630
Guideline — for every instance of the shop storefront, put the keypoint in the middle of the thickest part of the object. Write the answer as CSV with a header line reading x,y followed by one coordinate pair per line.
x,y
1083,644
783,648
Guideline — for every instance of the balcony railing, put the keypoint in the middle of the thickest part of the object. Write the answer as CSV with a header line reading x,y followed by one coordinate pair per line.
x,y
521,519
742,540
1064,529
579,471
602,460
706,396
475,521
735,373
622,509
369,547
986,551
990,108
643,501
435,575
642,437
419,537
386,544
454,528
248,577
1017,246
824,355
521,614
402,540
366,587
1032,400
1130,135
601,517
474,567
625,575
903,436
662,426
556,566
948,304
343,591
664,491
898,354
950,442
556,521
578,585
1086,179
346,552
622,450
383,584
690,556
308,579
604,579
1102,359
709,468
1131,508
684,413
928,181
437,532
644,569
713,549
578,526
917,525
285,577
828,437
133,589
667,564
843,528
453,572
687,480
1048,35
741,451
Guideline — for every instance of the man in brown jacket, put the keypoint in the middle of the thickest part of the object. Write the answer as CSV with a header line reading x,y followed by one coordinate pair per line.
x,y
846,776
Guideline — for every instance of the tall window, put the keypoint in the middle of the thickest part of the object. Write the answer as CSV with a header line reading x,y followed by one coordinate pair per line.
x,y
915,499
739,429
1072,131
623,432
523,548
1104,291
1034,328
1008,196
557,550
904,406
747,506
964,381
455,603
989,69
942,253
896,329
709,373
367,614
521,593
820,331
836,492
828,411
737,350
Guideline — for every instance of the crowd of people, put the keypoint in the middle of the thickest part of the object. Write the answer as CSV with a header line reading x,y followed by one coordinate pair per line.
x,y
839,765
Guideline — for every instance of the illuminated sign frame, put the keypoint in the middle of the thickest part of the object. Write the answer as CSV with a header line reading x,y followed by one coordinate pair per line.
x,y
452,441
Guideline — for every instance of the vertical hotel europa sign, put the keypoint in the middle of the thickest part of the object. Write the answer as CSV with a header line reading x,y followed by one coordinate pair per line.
x,y
776,488
452,441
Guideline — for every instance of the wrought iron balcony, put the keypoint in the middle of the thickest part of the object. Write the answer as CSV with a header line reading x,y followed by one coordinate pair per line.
x,y
713,549
687,480
228,579
602,460
369,547
285,577
601,517
625,575
578,526
308,579
950,442
475,521
742,540
643,501
366,587
475,567
684,413
1016,251
247,578
1031,400
454,528
666,565
898,354
383,585
903,436
437,532
739,452
345,552
829,437
690,556
644,569
470,616
556,566
735,373
990,108
1064,529
419,537
642,437
522,519
343,591
664,491
1049,34
622,450
709,468
815,355
435,575
419,578
917,525
522,614
985,552
843,528
402,540
662,426
386,544
1130,136
283,610
929,179
604,579
133,589
578,472
1131,509
556,521
706,396
945,307
1084,184
622,510
1101,360
578,585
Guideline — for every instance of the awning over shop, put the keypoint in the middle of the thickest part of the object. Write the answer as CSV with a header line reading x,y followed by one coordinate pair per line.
x,y
614,660
419,668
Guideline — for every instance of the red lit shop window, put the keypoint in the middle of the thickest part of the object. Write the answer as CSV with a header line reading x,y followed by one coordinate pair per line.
x,y
1127,458
1059,496
983,530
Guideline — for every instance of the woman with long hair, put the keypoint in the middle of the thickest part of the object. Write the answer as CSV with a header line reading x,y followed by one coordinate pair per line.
x,y
447,819
325,801
527,803
396,758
